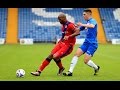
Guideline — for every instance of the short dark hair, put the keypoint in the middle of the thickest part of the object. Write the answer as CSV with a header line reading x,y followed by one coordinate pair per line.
x,y
87,10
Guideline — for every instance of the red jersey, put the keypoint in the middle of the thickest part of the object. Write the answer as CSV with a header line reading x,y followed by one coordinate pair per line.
x,y
70,27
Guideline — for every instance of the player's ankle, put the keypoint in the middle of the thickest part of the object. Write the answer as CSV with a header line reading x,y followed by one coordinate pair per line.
x,y
39,71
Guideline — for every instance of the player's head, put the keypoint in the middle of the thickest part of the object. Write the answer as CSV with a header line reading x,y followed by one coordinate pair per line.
x,y
87,14
62,18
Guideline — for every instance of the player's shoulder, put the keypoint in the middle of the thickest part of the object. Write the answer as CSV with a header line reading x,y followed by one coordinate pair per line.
x,y
93,20
71,24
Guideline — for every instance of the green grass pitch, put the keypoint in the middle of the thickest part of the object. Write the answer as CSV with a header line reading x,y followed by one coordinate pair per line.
x,y
29,57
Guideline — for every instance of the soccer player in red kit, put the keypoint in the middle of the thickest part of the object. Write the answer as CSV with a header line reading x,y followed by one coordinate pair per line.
x,y
63,48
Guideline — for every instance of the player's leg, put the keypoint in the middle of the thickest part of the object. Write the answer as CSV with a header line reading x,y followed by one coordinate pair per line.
x,y
46,61
80,51
73,63
42,66
87,58
64,51
49,58
59,64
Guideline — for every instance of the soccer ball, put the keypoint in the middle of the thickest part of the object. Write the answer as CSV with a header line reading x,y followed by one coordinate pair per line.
x,y
20,73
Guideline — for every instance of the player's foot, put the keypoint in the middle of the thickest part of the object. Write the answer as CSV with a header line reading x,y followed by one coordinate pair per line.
x,y
37,73
67,73
60,71
97,70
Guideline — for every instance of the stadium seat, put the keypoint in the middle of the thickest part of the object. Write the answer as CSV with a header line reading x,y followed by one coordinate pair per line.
x,y
42,25
3,21
111,17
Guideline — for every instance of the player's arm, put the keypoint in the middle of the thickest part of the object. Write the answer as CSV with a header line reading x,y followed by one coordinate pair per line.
x,y
91,24
76,32
80,27
86,25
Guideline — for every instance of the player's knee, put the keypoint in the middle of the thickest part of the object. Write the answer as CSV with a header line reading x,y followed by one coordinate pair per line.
x,y
55,57
78,53
50,56
48,59
57,60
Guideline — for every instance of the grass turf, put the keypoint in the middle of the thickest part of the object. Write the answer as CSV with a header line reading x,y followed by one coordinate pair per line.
x,y
29,57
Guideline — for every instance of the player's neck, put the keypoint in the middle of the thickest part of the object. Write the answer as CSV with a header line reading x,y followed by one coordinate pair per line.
x,y
66,22
89,18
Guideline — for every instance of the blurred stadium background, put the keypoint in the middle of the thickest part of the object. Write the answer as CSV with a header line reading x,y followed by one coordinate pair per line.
x,y
41,24
40,27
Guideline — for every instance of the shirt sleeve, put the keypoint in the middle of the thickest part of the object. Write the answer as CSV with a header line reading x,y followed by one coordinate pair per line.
x,y
93,22
82,28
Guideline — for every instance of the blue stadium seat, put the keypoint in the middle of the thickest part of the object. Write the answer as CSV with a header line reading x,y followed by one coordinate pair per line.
x,y
111,22
3,21
42,24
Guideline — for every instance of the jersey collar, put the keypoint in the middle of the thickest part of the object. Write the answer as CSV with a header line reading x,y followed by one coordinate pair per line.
x,y
89,19
66,23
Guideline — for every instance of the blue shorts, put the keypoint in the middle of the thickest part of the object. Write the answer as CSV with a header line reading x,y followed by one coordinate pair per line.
x,y
89,48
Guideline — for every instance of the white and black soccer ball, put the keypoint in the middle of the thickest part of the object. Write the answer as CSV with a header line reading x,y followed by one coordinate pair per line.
x,y
20,73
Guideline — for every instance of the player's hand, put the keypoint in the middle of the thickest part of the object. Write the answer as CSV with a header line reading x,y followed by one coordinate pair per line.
x,y
79,24
66,37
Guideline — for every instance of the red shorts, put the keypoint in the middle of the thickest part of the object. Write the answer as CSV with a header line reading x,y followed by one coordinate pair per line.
x,y
61,49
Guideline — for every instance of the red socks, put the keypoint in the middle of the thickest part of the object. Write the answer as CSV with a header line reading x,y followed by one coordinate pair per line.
x,y
47,61
43,65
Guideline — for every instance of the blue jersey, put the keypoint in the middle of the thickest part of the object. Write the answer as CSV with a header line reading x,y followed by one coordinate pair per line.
x,y
91,32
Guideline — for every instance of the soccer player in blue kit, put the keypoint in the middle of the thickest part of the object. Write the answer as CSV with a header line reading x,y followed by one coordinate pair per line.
x,y
89,46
